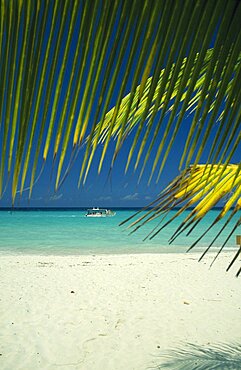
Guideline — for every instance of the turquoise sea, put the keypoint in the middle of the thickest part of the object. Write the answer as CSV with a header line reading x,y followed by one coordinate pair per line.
x,y
68,231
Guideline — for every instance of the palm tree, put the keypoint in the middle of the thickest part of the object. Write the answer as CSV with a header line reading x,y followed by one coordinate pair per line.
x,y
62,62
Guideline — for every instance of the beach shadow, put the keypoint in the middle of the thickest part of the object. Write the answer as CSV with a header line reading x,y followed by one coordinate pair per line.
x,y
195,357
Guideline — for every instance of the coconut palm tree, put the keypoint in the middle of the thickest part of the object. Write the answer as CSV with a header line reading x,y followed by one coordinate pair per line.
x,y
78,73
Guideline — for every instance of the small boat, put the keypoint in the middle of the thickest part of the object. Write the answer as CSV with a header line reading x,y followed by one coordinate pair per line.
x,y
99,212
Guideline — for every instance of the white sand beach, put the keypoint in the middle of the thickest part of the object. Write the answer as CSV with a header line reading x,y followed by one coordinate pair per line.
x,y
113,312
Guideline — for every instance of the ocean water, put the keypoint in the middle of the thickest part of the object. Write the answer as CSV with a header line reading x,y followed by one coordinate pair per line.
x,y
70,232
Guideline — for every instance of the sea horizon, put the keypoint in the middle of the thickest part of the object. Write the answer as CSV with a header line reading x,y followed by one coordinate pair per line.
x,y
43,208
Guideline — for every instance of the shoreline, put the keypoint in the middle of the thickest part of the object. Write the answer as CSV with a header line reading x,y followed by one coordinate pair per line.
x,y
113,311
73,252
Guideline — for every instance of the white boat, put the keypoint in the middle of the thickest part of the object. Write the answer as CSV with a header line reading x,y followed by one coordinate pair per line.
x,y
99,212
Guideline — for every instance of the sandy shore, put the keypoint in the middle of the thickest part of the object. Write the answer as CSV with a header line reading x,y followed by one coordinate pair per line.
x,y
112,312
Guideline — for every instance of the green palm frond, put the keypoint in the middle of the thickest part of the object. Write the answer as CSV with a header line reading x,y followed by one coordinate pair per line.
x,y
64,64
191,356
200,187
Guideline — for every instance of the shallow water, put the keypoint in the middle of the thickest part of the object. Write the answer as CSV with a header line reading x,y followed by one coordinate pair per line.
x,y
70,232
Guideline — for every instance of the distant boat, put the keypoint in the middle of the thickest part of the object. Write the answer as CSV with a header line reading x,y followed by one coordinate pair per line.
x,y
99,212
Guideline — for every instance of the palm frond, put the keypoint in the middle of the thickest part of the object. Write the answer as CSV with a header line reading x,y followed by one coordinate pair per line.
x,y
194,357
202,188
64,64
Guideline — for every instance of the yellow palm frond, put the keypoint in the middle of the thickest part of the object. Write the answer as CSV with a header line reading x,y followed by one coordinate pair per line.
x,y
200,188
